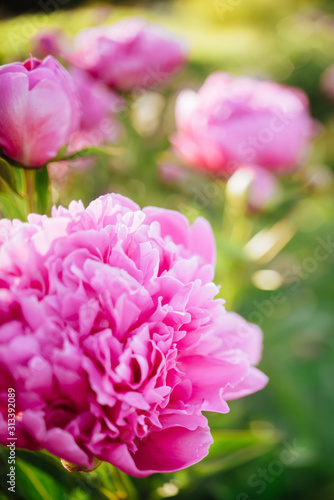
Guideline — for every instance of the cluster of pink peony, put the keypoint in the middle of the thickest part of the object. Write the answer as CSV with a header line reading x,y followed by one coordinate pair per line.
x,y
112,338
233,122
43,109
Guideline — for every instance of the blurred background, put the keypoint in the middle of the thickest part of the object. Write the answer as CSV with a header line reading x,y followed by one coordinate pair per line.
x,y
277,444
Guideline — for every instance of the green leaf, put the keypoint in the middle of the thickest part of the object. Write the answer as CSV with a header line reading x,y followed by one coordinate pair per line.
x,y
88,152
12,206
233,448
61,153
7,174
42,189
40,485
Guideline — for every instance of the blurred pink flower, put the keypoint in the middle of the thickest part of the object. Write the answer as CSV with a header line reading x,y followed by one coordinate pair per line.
x,y
98,102
171,173
98,124
112,339
39,110
257,184
235,121
51,42
128,54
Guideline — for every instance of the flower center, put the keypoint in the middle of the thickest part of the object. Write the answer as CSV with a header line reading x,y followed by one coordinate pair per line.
x,y
31,63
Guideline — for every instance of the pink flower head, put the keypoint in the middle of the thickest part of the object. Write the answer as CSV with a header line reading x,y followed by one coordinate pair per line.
x,y
112,338
235,121
131,53
98,124
51,42
39,110
98,102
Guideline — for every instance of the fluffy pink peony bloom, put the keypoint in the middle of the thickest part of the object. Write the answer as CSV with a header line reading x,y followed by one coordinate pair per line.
x,y
131,53
112,339
235,121
39,110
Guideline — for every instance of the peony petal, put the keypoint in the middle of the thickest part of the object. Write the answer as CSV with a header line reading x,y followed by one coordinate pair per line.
x,y
254,381
14,105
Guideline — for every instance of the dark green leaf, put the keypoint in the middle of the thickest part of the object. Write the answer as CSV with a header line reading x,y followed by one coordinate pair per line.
x,y
42,189
40,485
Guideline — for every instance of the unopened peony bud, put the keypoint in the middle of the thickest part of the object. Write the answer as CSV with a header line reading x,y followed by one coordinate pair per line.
x,y
40,109
80,468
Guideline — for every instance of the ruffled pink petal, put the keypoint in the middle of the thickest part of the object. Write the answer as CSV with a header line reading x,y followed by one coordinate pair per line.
x,y
254,381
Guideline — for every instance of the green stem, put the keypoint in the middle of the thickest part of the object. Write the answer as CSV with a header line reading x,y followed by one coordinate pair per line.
x,y
123,484
30,189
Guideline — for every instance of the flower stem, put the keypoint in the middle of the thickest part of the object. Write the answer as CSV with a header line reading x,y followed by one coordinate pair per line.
x,y
30,189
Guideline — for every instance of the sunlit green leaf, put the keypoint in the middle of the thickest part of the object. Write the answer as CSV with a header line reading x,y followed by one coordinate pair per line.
x,y
90,152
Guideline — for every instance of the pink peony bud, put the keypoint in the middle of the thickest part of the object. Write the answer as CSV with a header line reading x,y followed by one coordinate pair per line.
x,y
77,468
129,54
255,185
235,121
39,110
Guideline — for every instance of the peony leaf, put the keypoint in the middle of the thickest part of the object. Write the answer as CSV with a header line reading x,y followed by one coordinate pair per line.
x,y
61,153
42,189
12,206
233,448
51,475
7,174
88,152
41,486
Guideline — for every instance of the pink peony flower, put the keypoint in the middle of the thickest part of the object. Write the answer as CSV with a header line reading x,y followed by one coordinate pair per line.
x,y
39,110
98,103
112,338
235,121
51,42
131,53
98,124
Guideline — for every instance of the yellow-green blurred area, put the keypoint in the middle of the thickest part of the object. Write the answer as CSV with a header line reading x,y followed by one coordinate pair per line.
x,y
277,444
